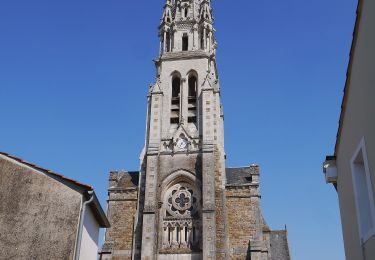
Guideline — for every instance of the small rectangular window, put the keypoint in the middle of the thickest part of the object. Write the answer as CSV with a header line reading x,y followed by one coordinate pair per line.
x,y
185,42
363,193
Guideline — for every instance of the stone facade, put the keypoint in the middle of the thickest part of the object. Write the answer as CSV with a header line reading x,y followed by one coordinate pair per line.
x,y
184,203
122,209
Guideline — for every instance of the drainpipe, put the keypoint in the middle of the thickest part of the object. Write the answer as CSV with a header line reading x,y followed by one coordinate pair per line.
x,y
81,220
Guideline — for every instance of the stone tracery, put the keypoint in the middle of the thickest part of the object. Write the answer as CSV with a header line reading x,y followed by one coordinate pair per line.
x,y
181,225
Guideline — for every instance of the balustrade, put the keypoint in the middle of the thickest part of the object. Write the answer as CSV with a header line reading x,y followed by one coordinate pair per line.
x,y
183,233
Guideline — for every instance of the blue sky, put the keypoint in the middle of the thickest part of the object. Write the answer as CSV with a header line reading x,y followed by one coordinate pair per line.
x,y
74,78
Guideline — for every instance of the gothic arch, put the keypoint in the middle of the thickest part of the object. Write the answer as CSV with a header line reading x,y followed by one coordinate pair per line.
x,y
176,73
180,212
192,72
175,91
178,176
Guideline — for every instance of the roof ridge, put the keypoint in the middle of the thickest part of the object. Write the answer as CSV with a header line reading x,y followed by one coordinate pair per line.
x,y
237,167
39,168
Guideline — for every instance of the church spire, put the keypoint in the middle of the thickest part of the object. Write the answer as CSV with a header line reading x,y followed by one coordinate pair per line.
x,y
180,205
206,11
167,14
187,25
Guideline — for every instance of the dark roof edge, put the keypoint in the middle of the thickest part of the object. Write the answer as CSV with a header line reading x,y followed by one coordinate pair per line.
x,y
287,249
279,230
348,73
47,171
99,212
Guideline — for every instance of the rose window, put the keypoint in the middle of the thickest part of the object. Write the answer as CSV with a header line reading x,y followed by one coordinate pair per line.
x,y
181,222
182,201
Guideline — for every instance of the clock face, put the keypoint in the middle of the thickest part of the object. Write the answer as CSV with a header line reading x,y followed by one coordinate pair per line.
x,y
181,143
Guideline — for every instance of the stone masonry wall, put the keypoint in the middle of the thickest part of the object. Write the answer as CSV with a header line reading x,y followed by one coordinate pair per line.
x,y
242,220
122,207
221,212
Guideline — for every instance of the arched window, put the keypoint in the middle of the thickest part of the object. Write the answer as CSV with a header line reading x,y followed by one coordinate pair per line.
x,y
192,99
185,42
176,87
186,12
192,86
175,102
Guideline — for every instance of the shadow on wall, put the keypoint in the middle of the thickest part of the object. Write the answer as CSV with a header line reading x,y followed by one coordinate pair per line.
x,y
248,255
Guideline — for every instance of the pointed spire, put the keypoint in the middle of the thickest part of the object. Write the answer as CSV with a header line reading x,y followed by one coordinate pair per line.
x,y
167,14
206,14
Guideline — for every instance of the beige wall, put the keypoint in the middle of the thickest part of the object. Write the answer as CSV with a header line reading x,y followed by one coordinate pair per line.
x,y
358,122
38,214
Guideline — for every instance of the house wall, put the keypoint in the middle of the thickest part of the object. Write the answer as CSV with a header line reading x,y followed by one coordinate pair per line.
x,y
38,214
90,234
358,122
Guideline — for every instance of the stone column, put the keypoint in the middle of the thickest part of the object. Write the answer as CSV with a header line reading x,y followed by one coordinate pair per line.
x,y
165,41
170,41
174,31
184,238
184,101
204,39
195,37
150,207
210,41
165,237
208,177
174,237
149,212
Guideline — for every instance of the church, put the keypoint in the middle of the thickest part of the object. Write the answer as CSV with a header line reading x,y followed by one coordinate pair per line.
x,y
184,203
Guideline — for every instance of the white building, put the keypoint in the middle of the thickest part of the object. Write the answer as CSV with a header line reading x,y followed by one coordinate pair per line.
x,y
352,167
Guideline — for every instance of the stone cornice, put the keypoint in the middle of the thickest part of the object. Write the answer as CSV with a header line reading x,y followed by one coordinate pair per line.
x,y
119,190
184,55
242,186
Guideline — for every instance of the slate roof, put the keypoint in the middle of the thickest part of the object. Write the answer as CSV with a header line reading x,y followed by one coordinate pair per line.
x,y
123,179
238,175
279,245
134,177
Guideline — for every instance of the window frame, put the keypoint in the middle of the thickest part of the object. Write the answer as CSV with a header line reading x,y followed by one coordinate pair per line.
x,y
175,99
361,148
185,42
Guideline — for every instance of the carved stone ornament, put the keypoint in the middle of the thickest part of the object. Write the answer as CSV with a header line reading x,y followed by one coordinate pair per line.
x,y
182,201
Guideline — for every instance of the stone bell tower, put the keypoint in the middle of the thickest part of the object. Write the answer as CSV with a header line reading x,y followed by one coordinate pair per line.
x,y
183,157
184,203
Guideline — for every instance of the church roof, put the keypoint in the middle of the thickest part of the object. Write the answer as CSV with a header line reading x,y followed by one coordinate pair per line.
x,y
279,244
123,179
239,175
